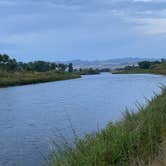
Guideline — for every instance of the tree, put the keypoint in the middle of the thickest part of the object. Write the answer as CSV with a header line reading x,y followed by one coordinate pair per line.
x,y
11,65
52,66
144,64
62,67
5,58
70,67
163,60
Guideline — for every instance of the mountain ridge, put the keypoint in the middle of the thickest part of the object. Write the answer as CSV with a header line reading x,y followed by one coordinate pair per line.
x,y
110,63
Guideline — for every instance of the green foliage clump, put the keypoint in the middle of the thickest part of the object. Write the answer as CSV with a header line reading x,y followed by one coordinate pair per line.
x,y
70,67
88,71
147,64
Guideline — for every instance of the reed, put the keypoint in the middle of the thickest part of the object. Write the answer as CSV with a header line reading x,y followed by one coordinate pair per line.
x,y
136,140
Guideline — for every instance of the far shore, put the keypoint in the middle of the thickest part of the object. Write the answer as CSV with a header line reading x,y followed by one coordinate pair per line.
x,y
25,78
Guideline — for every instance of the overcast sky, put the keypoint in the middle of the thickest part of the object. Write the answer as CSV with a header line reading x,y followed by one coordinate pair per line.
x,y
82,29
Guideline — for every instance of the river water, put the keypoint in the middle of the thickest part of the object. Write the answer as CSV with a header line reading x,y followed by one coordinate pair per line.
x,y
32,117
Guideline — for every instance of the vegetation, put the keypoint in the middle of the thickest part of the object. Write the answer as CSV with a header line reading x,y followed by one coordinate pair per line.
x,y
105,70
88,71
136,140
156,67
19,73
24,78
11,65
71,67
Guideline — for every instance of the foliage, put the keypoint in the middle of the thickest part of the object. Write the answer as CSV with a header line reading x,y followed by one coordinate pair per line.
x,y
133,141
156,67
70,67
9,64
88,71
148,64
105,70
20,73
6,63
29,77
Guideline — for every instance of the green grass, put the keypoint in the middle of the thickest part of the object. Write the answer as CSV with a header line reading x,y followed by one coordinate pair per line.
x,y
23,78
133,141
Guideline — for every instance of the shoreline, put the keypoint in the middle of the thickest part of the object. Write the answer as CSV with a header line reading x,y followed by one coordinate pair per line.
x,y
8,79
136,139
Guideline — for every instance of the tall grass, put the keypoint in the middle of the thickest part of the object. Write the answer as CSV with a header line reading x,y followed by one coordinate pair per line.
x,y
133,141
23,78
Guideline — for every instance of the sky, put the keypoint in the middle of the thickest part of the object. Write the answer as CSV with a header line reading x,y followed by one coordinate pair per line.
x,y
82,29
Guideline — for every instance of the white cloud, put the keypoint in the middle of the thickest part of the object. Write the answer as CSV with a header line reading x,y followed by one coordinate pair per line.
x,y
158,1
46,25
151,26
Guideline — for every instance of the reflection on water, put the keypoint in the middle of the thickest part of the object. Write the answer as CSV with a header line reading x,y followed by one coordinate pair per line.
x,y
34,115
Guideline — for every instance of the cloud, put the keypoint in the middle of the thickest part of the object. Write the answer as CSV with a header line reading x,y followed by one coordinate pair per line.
x,y
158,1
79,27
152,26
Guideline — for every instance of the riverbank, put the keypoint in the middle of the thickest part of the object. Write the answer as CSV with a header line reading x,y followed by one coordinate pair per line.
x,y
88,71
138,139
159,68
140,71
28,77
133,71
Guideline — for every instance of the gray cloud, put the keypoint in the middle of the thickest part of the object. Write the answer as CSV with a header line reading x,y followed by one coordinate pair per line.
x,y
78,28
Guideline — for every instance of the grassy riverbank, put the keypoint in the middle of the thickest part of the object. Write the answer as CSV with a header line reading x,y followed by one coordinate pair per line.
x,y
137,139
133,71
31,77
158,68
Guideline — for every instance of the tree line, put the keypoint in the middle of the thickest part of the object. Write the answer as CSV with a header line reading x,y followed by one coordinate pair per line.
x,y
145,65
11,64
150,64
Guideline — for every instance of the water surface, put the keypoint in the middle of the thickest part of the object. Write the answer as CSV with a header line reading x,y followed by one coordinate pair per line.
x,y
32,116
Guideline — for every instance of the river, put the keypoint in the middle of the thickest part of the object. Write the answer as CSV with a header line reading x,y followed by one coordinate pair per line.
x,y
32,117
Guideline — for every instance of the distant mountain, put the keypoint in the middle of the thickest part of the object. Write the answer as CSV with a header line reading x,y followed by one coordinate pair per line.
x,y
112,63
